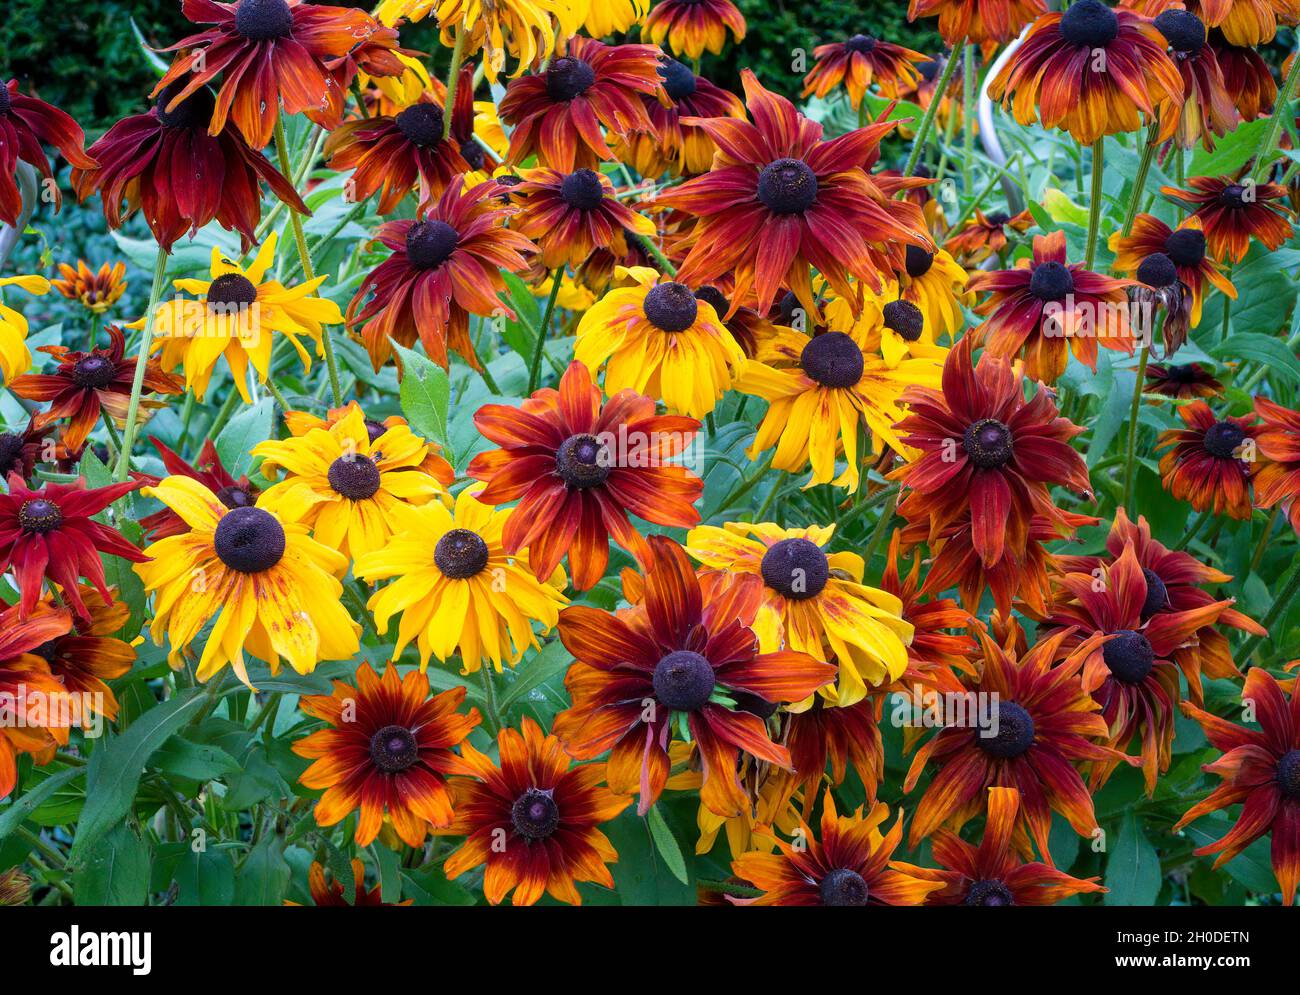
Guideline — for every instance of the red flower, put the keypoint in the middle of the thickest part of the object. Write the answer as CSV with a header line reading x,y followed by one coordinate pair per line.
x,y
1184,381
25,123
1232,213
860,61
1278,481
209,472
1210,463
88,655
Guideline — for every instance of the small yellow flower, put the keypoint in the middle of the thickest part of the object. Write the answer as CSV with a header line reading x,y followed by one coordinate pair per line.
x,y
15,357
98,290
936,283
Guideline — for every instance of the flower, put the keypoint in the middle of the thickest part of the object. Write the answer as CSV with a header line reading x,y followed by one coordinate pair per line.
x,y
985,449
607,17
577,466
981,22
1260,769
524,28
1048,308
209,472
97,290
271,589
691,26
557,114
1210,463
779,199
1184,246
812,602
850,865
238,315
345,487
385,754
993,874
22,449
330,893
1090,70
184,176
570,215
679,660
88,383
302,422
1181,380
1042,724
29,690
15,357
838,735
936,284
49,533
87,655
1233,212
1207,110
444,267
268,52
1246,77
455,586
1278,438
986,235
25,123
859,61
1243,22
659,339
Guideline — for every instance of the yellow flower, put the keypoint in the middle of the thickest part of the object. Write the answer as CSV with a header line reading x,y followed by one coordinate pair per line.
x,y
814,602
894,328
573,296
15,357
936,283
98,290
523,28
343,486
399,92
601,18
661,341
456,588
272,589
238,313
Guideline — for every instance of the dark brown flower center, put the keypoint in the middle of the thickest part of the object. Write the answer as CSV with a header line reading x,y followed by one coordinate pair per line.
x,y
683,681
1288,774
1184,31
998,218
535,815
235,496
11,452
795,568
789,307
354,476
988,444
568,77
1183,372
262,20
39,515
583,461
1186,246
374,429
1051,281
582,189
670,307
1233,196
473,154
429,243
714,297
195,111
905,318
787,186
394,748
861,43
988,893
679,81
1157,599
747,701
249,540
929,69
1014,735
94,371
460,553
918,261
422,124
832,359
230,292
1129,656
843,887
1222,439
1089,24
1157,270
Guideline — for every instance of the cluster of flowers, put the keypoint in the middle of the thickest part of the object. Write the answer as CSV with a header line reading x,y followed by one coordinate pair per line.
x,y
751,664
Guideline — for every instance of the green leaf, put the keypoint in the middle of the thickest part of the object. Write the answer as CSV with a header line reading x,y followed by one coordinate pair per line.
x,y
1271,352
1230,152
12,816
117,873
1133,868
244,431
1252,868
666,844
552,661
196,761
425,394
264,876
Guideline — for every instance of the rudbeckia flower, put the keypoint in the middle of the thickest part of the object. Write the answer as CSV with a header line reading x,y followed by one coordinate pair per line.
x,y
980,22
209,472
858,62
444,267
691,26
1210,463
237,315
386,753
168,163
935,283
1048,307
28,689
50,533
456,588
812,602
88,655
849,865
752,332
1092,70
1186,248
328,894
1260,769
986,235
657,338
97,290
15,357
526,29
993,874
532,820
1278,438
21,449
985,449
271,589
1232,212
302,422
1246,76
1184,381
836,735
26,123
267,52
774,803
1207,111
888,325
779,200
1242,22
570,215
1044,723
345,487
88,383
557,113
578,466
677,662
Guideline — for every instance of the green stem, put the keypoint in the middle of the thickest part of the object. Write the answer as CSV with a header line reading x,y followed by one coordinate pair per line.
x,y
141,362
878,535
664,263
282,150
453,77
490,697
279,397
223,415
1263,540
967,114
543,327
1094,208
1130,459
1194,531
923,130
1264,159
1140,181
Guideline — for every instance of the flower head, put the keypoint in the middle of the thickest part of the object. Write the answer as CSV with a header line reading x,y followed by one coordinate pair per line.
x,y
1210,463
1278,481
1232,212
329,893
981,22
97,290
25,124
15,357
859,61
1184,246
209,472
692,26
1184,381
571,215
89,654
986,235
28,689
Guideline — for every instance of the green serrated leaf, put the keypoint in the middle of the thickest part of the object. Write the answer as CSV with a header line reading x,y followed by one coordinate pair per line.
x,y
426,394
666,844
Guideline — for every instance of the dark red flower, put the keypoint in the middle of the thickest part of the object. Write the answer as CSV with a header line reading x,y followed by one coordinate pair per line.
x,y
1210,463
26,123
1233,211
